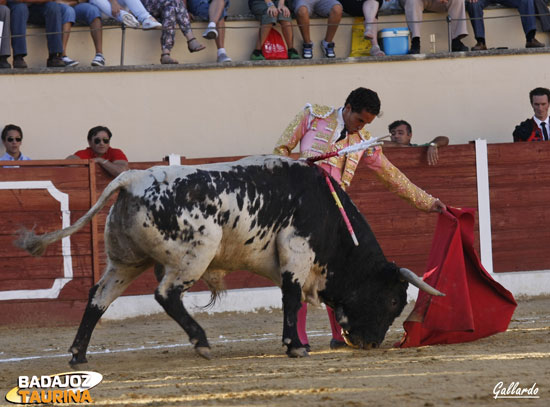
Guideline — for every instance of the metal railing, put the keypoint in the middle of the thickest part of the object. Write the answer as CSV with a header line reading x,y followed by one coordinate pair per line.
x,y
447,20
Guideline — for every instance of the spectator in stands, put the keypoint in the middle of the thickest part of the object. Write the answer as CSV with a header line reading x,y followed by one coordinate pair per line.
x,y
401,135
369,10
215,12
12,137
170,12
455,10
5,50
526,9
112,160
84,13
40,12
321,129
113,8
323,8
268,14
537,127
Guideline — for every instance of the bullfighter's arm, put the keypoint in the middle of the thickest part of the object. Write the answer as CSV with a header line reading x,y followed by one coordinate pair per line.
x,y
292,134
398,183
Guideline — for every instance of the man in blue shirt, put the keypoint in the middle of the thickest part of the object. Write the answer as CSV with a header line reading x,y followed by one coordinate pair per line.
x,y
12,137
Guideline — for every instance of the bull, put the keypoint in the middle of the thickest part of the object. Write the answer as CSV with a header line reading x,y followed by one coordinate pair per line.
x,y
270,215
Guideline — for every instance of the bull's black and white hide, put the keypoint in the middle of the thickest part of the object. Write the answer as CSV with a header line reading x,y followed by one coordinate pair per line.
x,y
270,215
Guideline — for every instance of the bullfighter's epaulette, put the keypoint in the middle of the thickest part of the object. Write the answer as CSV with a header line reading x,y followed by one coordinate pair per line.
x,y
320,111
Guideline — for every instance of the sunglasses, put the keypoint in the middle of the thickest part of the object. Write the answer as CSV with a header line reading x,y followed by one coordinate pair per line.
x,y
99,140
12,139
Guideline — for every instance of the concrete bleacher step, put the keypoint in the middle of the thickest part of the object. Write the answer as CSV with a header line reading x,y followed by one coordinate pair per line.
x,y
138,47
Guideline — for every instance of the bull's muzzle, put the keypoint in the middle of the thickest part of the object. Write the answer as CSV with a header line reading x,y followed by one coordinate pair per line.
x,y
359,344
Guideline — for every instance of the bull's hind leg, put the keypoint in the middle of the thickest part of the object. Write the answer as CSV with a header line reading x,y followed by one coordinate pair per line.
x,y
110,287
175,280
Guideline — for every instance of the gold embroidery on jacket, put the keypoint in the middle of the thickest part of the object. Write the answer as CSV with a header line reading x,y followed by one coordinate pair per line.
x,y
398,183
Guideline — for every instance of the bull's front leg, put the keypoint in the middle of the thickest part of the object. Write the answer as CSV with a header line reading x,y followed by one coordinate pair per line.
x,y
292,293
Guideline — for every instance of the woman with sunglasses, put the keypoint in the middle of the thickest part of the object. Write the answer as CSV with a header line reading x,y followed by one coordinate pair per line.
x,y
113,160
12,137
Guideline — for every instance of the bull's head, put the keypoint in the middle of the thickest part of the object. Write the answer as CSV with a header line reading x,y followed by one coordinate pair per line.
x,y
367,313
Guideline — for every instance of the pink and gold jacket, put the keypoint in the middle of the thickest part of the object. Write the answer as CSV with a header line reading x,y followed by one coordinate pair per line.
x,y
314,129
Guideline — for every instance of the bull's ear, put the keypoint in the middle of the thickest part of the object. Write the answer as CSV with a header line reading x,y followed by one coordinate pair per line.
x,y
341,318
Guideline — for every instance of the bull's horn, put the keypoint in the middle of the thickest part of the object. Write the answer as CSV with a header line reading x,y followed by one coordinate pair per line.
x,y
412,278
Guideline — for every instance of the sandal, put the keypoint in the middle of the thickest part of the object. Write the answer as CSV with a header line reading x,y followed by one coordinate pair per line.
x,y
165,58
375,51
194,46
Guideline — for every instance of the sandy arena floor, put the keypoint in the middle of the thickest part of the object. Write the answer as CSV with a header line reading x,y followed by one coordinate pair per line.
x,y
148,362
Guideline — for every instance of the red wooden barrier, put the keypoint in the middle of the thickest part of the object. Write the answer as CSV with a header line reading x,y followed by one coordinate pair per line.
x,y
518,176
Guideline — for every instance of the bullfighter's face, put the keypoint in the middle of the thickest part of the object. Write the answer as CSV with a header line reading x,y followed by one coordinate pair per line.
x,y
356,121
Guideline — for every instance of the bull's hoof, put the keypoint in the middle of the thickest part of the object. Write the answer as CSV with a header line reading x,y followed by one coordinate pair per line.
x,y
77,360
297,353
203,351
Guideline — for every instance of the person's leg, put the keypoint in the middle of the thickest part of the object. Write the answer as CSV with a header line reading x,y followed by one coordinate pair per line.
x,y
301,324
215,11
183,20
370,11
413,13
5,50
332,9
137,9
526,9
259,9
166,13
49,14
220,40
68,18
337,338
457,12
90,15
475,11
264,32
302,13
19,17
288,35
222,53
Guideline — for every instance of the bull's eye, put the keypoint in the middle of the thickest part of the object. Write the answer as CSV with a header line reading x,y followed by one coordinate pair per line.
x,y
394,302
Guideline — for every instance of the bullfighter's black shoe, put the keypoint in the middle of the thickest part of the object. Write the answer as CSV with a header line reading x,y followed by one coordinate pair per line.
x,y
334,344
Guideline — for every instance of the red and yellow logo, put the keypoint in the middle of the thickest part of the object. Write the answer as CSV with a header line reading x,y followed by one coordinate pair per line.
x,y
70,387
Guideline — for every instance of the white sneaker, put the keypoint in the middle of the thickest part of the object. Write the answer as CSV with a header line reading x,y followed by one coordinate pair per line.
x,y
99,60
150,23
69,62
210,33
129,20
223,58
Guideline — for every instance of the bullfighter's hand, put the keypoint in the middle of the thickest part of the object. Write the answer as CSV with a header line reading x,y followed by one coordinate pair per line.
x,y
438,206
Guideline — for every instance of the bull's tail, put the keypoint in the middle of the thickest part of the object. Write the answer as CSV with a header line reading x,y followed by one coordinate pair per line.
x,y
37,244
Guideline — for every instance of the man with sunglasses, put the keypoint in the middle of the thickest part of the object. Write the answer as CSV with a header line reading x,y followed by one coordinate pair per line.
x,y
12,136
113,160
